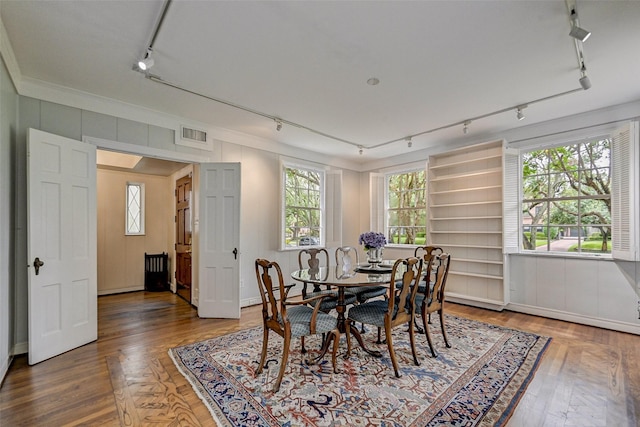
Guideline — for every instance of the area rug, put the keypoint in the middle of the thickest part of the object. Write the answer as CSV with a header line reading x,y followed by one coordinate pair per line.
x,y
476,382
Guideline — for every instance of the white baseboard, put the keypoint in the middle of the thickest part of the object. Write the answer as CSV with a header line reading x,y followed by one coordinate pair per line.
x,y
20,348
120,290
475,302
5,368
614,325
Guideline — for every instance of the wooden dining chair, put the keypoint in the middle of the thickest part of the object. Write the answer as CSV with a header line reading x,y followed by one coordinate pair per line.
x,y
398,309
349,254
431,297
425,252
314,258
289,319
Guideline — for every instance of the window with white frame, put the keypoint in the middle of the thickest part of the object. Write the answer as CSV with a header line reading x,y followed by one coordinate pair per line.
x,y
566,198
406,207
303,206
134,216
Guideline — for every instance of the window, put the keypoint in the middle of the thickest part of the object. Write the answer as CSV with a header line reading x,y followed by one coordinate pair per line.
x,y
566,198
406,207
303,206
134,224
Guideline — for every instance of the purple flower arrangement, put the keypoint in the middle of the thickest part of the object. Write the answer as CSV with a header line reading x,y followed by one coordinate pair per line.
x,y
372,240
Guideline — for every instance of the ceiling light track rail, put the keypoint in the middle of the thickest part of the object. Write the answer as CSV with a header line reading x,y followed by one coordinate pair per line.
x,y
279,121
578,34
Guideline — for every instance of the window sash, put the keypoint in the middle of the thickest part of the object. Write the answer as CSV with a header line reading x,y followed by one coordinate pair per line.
x,y
134,209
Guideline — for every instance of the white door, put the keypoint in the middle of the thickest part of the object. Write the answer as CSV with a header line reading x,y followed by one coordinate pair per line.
x,y
61,186
219,236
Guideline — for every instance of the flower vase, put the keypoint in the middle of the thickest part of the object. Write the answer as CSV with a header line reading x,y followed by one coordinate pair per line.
x,y
374,257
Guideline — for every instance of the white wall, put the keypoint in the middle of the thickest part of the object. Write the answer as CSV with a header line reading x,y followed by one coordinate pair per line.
x,y
8,123
121,257
593,292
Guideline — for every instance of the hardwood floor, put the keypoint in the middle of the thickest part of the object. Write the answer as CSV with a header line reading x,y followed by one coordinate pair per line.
x,y
588,376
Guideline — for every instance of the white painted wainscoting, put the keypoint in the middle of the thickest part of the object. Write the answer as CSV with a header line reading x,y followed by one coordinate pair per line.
x,y
596,292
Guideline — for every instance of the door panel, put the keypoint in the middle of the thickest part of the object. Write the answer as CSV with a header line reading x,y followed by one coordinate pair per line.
x,y
219,236
61,187
183,237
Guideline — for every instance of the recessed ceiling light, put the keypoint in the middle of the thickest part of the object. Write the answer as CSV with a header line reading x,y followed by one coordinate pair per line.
x,y
373,81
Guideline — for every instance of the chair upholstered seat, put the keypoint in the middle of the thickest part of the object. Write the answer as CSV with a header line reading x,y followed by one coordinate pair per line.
x,y
330,303
364,293
300,320
371,313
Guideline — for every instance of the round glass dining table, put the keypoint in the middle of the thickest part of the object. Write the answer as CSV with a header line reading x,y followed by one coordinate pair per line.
x,y
343,277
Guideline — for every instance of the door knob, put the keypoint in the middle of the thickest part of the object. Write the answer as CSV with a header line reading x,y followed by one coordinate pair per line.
x,y
37,264
235,253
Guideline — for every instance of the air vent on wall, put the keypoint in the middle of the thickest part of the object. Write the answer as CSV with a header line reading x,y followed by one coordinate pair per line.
x,y
190,136
194,134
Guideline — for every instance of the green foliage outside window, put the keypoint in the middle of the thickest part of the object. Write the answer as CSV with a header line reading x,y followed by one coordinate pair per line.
x,y
303,192
567,197
407,207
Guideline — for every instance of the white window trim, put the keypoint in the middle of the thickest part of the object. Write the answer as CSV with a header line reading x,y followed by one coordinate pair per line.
x,y
574,138
142,209
379,185
297,164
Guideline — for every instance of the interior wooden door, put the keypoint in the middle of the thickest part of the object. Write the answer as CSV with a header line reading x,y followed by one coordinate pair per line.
x,y
183,237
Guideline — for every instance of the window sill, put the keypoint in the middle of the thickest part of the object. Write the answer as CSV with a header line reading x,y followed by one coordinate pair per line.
x,y
591,257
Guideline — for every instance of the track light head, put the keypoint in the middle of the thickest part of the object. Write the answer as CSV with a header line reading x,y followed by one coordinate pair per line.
x,y
577,32
585,82
360,149
147,62
465,127
519,113
409,142
278,125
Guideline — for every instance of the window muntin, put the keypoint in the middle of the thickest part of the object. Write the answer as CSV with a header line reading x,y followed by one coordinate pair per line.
x,y
406,219
303,206
566,198
134,222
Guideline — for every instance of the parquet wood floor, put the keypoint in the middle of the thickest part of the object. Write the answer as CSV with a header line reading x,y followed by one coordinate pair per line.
x,y
588,377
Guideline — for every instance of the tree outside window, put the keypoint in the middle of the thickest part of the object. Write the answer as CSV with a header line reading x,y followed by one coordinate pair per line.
x,y
566,202
406,207
303,202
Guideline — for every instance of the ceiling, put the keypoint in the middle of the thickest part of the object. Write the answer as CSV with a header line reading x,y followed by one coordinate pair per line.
x,y
308,62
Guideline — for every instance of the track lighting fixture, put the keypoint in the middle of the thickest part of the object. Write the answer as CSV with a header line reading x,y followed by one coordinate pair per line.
x,y
360,149
465,127
519,113
409,142
278,125
584,79
577,32
147,62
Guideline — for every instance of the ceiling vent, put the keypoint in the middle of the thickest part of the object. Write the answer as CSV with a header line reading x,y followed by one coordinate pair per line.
x,y
196,135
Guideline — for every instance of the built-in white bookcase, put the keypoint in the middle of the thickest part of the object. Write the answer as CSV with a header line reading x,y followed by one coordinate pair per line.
x,y
465,219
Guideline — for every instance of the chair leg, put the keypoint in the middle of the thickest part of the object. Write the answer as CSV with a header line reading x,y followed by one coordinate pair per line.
x,y
336,344
412,339
444,331
263,356
379,337
428,334
392,353
283,364
304,350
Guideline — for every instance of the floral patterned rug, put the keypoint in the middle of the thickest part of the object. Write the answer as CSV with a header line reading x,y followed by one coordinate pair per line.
x,y
476,382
